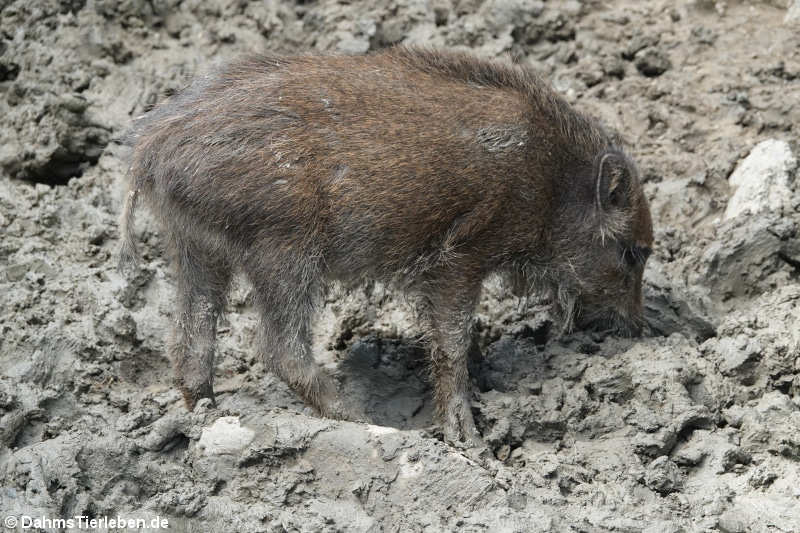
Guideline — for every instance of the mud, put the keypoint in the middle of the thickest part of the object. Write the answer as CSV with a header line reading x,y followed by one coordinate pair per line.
x,y
694,427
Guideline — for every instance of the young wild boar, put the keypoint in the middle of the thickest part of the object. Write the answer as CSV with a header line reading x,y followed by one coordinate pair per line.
x,y
430,170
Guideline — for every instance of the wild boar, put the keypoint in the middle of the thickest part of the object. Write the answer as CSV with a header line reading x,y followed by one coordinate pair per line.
x,y
429,170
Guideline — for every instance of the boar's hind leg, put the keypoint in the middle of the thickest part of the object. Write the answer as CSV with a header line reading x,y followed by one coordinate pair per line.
x,y
446,315
202,279
286,301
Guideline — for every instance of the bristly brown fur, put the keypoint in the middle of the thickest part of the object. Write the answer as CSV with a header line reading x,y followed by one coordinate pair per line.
x,y
429,169
581,132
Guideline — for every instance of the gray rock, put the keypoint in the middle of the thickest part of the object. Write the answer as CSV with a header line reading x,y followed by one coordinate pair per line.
x,y
226,436
761,181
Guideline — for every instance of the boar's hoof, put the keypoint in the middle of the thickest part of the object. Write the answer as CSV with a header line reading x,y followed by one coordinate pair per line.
x,y
192,395
459,426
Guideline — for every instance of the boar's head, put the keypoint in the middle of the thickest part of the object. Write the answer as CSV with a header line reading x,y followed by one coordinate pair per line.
x,y
602,242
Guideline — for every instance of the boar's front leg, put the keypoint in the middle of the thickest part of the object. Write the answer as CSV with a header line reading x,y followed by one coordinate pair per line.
x,y
446,316
202,280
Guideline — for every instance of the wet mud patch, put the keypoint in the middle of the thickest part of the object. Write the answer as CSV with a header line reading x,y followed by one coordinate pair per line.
x,y
391,379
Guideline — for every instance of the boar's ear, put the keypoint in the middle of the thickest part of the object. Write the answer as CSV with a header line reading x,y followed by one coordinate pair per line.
x,y
614,181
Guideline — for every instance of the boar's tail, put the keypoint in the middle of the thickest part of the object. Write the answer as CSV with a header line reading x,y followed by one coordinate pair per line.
x,y
128,256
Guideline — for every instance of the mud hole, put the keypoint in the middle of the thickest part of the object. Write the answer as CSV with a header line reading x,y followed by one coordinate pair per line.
x,y
695,427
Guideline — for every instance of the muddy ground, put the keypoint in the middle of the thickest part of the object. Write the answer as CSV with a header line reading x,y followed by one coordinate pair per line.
x,y
695,427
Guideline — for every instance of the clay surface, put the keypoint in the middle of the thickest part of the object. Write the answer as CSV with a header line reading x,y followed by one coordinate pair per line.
x,y
694,427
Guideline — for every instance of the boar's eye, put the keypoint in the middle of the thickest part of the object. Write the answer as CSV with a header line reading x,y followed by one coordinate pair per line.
x,y
635,255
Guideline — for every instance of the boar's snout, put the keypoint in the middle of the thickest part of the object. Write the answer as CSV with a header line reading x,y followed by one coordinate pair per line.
x,y
614,301
615,304
617,323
